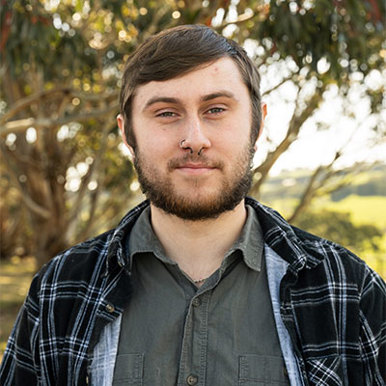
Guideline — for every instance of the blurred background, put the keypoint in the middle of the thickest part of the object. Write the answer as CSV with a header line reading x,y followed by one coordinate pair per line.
x,y
64,173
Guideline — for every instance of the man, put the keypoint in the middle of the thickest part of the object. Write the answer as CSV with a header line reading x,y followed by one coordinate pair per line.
x,y
199,285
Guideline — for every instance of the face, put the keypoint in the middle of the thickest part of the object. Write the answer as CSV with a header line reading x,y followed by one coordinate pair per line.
x,y
193,148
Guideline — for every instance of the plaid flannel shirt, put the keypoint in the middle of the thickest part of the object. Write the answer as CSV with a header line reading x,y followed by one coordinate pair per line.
x,y
332,304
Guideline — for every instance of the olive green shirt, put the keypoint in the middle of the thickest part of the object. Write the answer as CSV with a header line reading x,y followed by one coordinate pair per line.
x,y
222,333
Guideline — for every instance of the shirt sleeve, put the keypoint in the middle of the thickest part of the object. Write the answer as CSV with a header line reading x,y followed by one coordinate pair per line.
x,y
373,328
20,365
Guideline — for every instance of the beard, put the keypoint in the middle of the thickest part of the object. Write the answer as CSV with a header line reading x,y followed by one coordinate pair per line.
x,y
195,205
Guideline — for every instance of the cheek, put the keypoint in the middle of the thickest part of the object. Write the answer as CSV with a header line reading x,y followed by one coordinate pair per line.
x,y
152,136
155,149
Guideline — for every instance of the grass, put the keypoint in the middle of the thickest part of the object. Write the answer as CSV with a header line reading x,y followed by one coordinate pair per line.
x,y
364,209
15,279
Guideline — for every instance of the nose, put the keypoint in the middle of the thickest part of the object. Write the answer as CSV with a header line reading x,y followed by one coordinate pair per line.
x,y
195,139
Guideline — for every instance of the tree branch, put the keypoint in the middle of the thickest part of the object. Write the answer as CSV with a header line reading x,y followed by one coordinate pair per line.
x,y
241,19
29,202
94,166
64,92
27,101
21,125
314,186
277,85
294,127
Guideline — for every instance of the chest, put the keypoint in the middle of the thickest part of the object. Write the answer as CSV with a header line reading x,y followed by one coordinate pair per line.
x,y
222,333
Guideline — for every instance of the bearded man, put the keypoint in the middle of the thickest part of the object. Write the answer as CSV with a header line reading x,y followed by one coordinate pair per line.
x,y
199,285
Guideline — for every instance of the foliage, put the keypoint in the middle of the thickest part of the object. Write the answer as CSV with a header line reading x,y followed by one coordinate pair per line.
x,y
342,33
60,69
339,227
375,187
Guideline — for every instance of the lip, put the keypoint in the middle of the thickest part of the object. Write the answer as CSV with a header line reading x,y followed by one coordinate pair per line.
x,y
194,168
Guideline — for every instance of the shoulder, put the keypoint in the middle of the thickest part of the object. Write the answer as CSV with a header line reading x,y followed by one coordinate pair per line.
x,y
338,269
320,249
94,256
310,255
73,270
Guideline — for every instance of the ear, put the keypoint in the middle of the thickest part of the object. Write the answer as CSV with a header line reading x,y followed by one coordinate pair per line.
x,y
121,125
263,115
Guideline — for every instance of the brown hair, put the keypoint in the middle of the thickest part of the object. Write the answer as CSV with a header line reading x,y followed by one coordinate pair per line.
x,y
177,51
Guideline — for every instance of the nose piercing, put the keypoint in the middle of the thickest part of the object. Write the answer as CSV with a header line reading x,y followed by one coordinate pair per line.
x,y
188,147
185,147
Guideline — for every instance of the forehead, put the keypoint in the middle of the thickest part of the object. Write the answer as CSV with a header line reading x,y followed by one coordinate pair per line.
x,y
222,74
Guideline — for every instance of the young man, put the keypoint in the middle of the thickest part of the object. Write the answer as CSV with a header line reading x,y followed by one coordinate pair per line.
x,y
199,285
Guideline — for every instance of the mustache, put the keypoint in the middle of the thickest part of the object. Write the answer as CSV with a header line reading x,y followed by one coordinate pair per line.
x,y
202,160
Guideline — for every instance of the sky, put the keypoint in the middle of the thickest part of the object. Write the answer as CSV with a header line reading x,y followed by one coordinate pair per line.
x,y
339,124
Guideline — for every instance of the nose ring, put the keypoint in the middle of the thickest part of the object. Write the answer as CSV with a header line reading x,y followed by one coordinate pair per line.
x,y
188,147
185,147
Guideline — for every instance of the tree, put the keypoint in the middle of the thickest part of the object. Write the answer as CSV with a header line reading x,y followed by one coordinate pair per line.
x,y
325,42
338,226
61,64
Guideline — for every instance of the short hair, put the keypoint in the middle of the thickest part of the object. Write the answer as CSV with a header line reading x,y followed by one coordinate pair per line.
x,y
177,51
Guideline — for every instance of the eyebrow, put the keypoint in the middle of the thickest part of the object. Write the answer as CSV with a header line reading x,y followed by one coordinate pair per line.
x,y
204,98
154,100
218,94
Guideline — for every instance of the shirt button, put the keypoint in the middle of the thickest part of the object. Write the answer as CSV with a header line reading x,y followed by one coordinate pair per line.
x,y
110,308
196,302
191,380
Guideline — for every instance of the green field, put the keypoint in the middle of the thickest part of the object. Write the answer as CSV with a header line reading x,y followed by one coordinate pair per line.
x,y
364,209
367,210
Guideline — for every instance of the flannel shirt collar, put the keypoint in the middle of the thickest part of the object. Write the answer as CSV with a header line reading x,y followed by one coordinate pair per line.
x,y
116,253
277,233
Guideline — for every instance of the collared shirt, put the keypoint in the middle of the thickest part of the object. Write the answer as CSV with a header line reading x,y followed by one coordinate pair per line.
x,y
222,333
330,303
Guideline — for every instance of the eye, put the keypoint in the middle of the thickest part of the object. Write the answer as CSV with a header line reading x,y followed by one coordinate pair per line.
x,y
216,110
166,114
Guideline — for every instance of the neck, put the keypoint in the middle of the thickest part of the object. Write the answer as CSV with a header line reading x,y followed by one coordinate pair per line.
x,y
198,246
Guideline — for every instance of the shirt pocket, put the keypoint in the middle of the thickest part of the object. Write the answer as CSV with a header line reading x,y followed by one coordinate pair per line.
x,y
262,370
325,370
129,370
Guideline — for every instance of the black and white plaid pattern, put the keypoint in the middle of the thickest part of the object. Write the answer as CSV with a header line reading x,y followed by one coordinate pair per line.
x,y
332,304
